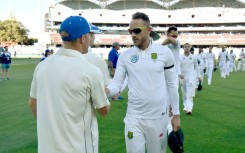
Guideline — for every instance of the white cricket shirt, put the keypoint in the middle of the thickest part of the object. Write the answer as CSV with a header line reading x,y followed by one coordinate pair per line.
x,y
232,57
222,56
151,76
189,65
210,58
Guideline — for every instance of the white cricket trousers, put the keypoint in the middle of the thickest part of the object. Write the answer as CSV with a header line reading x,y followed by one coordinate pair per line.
x,y
239,65
146,134
209,73
243,69
232,66
187,88
223,68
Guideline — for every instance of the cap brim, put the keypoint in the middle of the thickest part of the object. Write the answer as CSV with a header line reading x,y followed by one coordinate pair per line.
x,y
95,29
155,36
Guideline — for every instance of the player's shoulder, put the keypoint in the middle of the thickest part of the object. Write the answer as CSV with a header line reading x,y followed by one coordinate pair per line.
x,y
129,51
163,49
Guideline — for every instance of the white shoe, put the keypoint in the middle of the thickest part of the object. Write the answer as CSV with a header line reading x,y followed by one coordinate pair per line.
x,y
185,110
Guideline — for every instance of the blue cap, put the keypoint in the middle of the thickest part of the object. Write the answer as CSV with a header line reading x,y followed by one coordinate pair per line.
x,y
95,29
74,27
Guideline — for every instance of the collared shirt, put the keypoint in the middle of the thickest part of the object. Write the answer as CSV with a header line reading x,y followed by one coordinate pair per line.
x,y
152,79
223,56
67,89
189,65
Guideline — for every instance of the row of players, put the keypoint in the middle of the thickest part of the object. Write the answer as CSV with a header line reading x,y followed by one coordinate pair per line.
x,y
226,62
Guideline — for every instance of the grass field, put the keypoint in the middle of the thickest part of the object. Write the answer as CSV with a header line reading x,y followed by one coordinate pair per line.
x,y
217,124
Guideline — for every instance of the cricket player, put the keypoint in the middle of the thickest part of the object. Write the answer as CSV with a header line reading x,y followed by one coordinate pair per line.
x,y
222,62
152,81
66,92
243,63
210,63
240,63
201,57
232,59
188,67
173,44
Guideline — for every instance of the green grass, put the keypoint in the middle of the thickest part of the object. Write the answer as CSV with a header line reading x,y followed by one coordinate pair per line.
x,y
217,124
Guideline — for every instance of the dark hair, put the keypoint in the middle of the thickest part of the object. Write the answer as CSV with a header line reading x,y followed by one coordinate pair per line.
x,y
143,16
171,28
192,49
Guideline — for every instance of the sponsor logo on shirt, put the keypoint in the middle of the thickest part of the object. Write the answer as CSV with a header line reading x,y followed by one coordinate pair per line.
x,y
134,58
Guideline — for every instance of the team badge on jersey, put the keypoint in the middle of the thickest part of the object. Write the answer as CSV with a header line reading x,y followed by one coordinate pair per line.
x,y
134,58
130,135
154,56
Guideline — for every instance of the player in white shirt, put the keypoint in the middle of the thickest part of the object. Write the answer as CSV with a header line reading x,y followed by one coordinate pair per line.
x,y
65,93
188,67
243,62
174,45
210,63
222,62
232,59
201,57
152,81
192,51
240,62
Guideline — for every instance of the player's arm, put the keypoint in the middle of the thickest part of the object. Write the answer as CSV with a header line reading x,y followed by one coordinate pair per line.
x,y
105,72
214,60
181,76
170,40
120,75
218,59
197,69
33,106
33,95
98,95
172,86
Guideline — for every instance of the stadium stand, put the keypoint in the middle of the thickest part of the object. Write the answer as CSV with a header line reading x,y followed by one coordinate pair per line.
x,y
209,22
